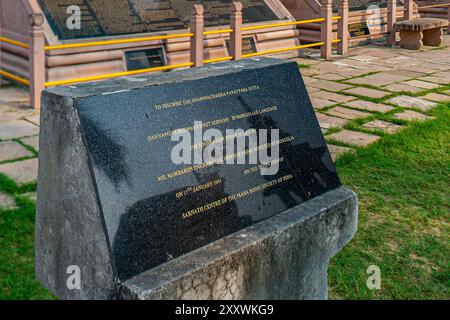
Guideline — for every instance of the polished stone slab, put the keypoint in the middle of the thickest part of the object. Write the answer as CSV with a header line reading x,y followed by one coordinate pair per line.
x,y
113,148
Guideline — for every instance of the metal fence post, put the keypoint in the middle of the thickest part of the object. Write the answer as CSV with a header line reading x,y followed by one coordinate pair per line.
x,y
36,59
197,26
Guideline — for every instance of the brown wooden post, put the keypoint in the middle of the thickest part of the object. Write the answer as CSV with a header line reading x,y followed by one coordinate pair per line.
x,y
36,59
236,35
342,47
391,20
409,9
326,30
197,26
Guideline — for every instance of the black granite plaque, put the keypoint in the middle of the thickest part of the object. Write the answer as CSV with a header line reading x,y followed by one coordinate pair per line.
x,y
358,29
155,210
248,45
139,16
143,59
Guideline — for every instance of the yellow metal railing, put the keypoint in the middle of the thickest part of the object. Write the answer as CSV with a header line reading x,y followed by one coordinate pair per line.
x,y
118,41
9,75
115,75
14,42
217,31
15,78
156,38
218,59
309,45
290,23
273,25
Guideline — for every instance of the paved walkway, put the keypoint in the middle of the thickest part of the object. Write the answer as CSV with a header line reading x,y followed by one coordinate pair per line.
x,y
374,92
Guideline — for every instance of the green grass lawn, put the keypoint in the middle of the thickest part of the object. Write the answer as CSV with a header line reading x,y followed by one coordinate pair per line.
x,y
403,188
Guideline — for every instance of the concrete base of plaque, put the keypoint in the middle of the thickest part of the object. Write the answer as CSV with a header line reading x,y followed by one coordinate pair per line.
x,y
284,257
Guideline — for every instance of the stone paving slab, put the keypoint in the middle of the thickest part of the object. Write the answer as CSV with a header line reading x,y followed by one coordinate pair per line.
x,y
336,151
366,92
312,89
354,64
32,142
421,84
442,74
434,79
398,60
351,73
379,79
328,122
354,138
332,96
401,87
331,76
407,73
436,97
7,202
433,66
346,113
14,94
18,110
321,103
22,172
308,80
369,106
35,119
413,102
364,58
306,61
330,85
419,68
17,129
409,115
374,50
4,117
385,126
10,150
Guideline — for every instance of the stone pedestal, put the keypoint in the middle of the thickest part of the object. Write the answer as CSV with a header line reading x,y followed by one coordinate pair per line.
x,y
284,257
118,218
